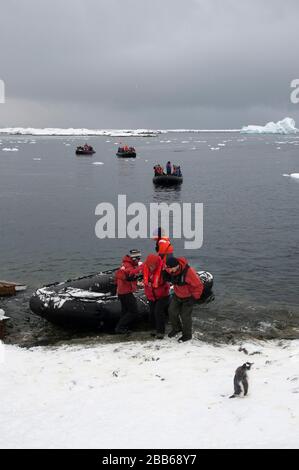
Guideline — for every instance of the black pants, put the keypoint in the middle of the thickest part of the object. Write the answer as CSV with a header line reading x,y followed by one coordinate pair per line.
x,y
158,310
129,312
180,315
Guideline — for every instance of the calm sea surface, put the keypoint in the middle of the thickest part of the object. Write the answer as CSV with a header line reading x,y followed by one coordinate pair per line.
x,y
48,197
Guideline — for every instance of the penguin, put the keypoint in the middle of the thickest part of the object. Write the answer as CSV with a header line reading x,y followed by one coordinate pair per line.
x,y
241,377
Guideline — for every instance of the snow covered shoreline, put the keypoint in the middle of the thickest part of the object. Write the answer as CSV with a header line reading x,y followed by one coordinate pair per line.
x,y
149,395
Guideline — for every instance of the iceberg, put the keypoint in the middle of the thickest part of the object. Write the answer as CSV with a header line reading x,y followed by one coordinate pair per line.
x,y
286,126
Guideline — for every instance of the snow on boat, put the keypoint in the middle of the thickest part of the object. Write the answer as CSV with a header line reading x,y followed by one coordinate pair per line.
x,y
91,301
167,180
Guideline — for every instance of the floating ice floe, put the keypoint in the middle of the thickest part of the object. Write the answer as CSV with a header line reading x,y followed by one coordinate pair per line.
x,y
97,163
37,159
292,175
286,126
7,149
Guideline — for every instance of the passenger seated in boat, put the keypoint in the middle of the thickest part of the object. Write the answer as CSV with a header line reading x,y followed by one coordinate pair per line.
x,y
158,170
168,168
176,170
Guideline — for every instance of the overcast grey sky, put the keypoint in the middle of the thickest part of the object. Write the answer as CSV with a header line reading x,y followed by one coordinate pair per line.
x,y
148,63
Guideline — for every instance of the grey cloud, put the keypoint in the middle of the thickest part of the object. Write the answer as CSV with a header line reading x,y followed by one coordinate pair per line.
x,y
139,62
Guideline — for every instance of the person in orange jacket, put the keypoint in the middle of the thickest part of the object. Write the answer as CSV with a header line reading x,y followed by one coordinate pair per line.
x,y
157,293
126,279
164,248
188,288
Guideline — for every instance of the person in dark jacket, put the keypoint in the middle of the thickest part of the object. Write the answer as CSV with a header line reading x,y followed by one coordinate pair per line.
x,y
157,293
126,279
188,288
168,168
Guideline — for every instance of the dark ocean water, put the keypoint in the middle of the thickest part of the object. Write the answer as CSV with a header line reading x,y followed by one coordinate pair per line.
x,y
48,198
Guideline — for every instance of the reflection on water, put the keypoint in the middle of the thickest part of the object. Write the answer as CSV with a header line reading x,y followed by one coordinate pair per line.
x,y
167,194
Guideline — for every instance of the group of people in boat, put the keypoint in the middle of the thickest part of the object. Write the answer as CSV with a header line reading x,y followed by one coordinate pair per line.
x,y
156,274
174,170
126,149
85,148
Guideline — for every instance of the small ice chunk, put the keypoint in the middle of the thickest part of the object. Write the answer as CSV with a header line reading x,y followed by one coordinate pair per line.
x,y
97,163
292,175
7,149
2,315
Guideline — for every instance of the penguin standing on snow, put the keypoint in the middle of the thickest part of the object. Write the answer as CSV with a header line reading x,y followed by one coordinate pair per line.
x,y
241,377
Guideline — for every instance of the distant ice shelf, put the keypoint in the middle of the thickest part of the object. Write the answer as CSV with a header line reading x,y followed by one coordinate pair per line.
x,y
48,131
286,126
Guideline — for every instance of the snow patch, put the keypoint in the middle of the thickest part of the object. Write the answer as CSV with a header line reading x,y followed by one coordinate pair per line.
x,y
42,387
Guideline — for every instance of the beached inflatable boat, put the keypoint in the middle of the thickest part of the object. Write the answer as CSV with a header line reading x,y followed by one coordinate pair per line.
x,y
91,301
167,180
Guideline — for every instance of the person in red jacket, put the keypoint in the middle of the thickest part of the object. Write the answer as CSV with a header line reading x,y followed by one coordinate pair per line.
x,y
157,293
188,288
126,279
